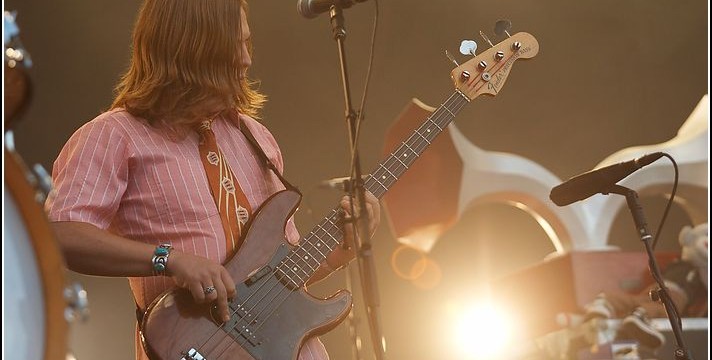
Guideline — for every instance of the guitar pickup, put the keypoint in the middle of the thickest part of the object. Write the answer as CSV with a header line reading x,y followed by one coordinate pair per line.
x,y
238,309
241,326
258,275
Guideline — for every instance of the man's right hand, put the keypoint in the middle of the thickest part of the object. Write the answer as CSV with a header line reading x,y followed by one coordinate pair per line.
x,y
206,280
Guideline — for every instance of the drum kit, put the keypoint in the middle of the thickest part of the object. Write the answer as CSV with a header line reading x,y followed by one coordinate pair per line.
x,y
38,304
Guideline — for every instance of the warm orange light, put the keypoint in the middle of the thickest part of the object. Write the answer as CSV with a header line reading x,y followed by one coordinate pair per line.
x,y
481,331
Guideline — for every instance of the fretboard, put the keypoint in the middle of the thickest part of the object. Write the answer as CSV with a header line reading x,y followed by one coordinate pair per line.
x,y
299,265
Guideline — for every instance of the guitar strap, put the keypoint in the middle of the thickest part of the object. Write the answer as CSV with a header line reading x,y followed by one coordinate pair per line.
x,y
261,154
267,162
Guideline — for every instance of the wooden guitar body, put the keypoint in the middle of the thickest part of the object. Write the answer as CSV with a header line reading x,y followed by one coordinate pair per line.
x,y
270,318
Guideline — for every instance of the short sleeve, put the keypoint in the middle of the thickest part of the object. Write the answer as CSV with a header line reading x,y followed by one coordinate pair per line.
x,y
90,175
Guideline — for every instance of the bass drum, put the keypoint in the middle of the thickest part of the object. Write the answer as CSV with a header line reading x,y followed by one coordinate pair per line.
x,y
33,271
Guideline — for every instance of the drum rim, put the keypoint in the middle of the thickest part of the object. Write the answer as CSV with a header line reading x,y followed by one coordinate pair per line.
x,y
50,262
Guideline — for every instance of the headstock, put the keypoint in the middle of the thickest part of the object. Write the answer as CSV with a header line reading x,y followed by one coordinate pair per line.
x,y
487,72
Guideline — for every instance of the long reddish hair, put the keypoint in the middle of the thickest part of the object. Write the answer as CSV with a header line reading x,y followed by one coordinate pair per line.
x,y
185,63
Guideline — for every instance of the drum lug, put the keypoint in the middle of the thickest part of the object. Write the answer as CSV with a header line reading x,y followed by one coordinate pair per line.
x,y
43,181
77,303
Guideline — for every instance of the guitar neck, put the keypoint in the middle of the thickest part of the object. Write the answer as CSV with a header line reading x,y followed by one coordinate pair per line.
x,y
398,162
305,259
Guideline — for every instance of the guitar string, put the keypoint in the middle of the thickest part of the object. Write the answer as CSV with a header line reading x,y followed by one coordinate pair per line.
x,y
463,99
416,143
274,272
420,145
432,118
278,282
267,306
243,305
424,146
269,290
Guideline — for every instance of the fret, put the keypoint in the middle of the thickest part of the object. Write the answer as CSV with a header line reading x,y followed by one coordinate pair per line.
x,y
393,165
309,265
436,124
385,181
402,163
318,228
284,273
405,154
423,137
308,256
411,144
295,267
328,219
446,109
429,130
388,171
336,241
373,178
380,183
317,248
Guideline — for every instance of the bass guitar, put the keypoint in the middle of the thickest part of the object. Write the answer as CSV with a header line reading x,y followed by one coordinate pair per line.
x,y
272,314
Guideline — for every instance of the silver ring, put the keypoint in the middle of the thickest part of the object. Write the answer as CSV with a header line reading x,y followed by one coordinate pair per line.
x,y
209,290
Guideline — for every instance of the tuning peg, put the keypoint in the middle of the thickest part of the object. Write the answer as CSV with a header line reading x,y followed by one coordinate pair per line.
x,y
449,56
468,47
486,38
502,27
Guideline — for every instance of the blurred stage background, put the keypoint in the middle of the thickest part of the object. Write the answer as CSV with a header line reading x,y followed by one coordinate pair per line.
x,y
609,75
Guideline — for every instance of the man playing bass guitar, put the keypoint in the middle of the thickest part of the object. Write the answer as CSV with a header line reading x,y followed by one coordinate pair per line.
x,y
163,187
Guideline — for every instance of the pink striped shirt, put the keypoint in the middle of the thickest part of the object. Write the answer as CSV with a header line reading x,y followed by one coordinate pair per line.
x,y
118,173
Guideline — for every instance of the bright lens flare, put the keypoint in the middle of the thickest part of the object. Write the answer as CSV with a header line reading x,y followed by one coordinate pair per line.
x,y
482,331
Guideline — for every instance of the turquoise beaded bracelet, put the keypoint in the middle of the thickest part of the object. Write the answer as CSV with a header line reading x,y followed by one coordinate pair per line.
x,y
160,258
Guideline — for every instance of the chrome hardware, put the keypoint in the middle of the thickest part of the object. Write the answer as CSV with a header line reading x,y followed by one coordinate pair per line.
x,y
44,183
465,75
77,303
482,65
13,57
499,55
486,38
192,354
449,56
516,46
486,76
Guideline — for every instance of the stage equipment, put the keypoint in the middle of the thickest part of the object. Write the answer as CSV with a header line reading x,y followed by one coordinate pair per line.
x,y
605,182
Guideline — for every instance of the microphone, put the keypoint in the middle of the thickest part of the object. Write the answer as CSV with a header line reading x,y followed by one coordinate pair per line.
x,y
599,180
311,8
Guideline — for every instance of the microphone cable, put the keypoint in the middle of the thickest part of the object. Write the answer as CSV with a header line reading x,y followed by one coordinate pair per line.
x,y
670,200
362,105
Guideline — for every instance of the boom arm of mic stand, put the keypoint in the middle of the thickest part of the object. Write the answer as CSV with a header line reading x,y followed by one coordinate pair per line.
x,y
681,353
364,255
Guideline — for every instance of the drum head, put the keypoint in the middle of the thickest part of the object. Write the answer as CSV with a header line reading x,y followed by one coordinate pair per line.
x,y
33,271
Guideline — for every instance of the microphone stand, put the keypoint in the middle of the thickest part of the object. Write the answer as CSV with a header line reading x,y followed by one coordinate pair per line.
x,y
661,294
364,254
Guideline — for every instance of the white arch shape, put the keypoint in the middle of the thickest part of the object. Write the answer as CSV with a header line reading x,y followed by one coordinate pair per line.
x,y
585,225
